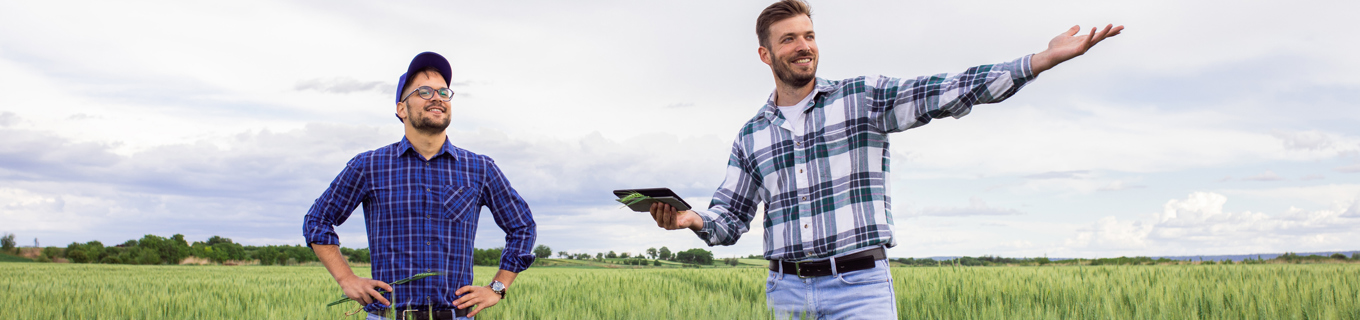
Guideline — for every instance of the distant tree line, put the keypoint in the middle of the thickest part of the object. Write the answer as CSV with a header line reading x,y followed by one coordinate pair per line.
x,y
153,249
1139,260
694,256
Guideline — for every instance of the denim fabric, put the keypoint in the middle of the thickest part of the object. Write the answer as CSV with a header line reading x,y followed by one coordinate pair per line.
x,y
863,294
376,317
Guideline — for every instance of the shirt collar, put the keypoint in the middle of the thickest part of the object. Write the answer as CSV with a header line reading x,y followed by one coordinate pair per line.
x,y
823,86
405,147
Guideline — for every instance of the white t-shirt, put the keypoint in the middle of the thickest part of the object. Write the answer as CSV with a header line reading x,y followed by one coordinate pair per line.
x,y
794,114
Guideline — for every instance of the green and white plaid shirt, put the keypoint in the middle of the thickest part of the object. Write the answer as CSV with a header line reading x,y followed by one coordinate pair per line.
x,y
826,190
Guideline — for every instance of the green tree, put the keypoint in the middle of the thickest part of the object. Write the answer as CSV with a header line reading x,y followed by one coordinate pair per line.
x,y
268,256
542,251
611,255
695,256
76,253
664,253
217,239
487,257
562,254
625,255
731,261
651,252
95,251
7,243
51,252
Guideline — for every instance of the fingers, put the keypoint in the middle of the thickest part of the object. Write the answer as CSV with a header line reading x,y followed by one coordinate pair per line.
x,y
475,311
361,297
1110,31
377,297
1072,31
475,297
664,214
383,285
656,214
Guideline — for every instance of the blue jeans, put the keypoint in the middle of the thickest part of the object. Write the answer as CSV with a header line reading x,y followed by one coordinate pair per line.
x,y
863,294
376,317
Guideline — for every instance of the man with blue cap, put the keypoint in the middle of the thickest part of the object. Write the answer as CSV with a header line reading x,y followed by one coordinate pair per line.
x,y
422,197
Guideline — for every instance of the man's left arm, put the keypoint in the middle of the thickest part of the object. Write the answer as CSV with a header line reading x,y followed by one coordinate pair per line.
x,y
899,104
513,216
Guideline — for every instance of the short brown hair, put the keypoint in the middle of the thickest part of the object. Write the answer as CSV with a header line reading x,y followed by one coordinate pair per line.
x,y
776,12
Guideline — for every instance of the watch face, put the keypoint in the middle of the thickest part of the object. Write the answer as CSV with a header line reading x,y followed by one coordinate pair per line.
x,y
497,286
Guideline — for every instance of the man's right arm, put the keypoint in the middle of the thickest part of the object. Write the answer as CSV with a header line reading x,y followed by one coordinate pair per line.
x,y
733,207
356,288
318,227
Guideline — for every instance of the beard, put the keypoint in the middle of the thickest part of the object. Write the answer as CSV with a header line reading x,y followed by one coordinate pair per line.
x,y
783,69
426,124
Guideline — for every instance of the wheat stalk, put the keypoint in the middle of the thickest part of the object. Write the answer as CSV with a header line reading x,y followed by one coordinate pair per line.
x,y
394,283
632,198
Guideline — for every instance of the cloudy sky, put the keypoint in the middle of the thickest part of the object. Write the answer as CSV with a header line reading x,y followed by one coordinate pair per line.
x,y
1208,127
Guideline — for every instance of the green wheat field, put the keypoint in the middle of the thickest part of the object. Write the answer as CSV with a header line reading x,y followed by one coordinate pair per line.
x,y
1270,291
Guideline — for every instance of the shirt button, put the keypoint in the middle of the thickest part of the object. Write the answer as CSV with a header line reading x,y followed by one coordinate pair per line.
x,y
804,198
427,243
800,170
805,226
428,189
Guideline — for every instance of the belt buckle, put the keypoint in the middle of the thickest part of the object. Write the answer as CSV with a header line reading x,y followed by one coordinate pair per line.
x,y
405,314
798,269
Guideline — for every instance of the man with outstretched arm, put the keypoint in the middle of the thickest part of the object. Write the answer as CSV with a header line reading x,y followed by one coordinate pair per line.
x,y
816,155
422,197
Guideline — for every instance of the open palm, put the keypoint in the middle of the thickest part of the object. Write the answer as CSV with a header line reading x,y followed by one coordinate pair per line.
x,y
1069,45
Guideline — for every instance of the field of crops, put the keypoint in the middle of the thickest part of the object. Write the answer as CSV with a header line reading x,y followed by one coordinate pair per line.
x,y
1272,291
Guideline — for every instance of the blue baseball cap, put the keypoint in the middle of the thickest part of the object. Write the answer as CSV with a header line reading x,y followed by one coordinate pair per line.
x,y
421,61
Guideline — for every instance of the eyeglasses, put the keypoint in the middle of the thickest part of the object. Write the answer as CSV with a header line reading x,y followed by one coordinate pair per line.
x,y
428,93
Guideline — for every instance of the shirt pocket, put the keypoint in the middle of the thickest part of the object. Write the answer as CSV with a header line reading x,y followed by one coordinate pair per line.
x,y
459,200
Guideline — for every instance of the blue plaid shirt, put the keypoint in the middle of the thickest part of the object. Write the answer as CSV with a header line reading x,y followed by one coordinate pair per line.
x,y
826,189
421,216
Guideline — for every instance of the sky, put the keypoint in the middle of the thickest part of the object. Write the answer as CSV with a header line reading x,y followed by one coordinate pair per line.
x,y
1207,127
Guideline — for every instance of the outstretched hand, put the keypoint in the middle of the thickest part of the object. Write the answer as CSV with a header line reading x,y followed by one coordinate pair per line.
x,y
1069,45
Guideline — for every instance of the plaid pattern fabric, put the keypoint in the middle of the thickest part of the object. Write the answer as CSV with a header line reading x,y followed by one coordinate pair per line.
x,y
826,190
421,216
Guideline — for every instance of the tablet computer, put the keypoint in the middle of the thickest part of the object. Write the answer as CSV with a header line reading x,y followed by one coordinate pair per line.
x,y
652,195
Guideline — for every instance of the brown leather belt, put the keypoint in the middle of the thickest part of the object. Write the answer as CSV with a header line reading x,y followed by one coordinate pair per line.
x,y
851,262
422,314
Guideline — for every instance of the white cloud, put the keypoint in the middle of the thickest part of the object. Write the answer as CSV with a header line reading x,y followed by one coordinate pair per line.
x,y
215,126
975,207
1199,225
1265,176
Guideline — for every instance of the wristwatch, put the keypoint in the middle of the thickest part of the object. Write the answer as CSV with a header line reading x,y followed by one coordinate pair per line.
x,y
497,287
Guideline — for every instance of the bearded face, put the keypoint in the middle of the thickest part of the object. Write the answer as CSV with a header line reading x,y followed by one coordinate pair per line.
x,y
432,117
790,49
796,69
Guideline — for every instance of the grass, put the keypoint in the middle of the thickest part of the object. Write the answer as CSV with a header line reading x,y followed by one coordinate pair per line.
x,y
1271,291
5,257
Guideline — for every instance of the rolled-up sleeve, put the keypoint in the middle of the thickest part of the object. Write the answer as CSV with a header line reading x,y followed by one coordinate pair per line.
x,y
513,216
335,205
